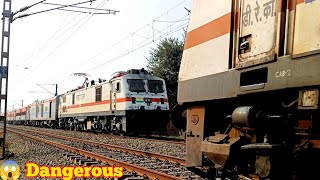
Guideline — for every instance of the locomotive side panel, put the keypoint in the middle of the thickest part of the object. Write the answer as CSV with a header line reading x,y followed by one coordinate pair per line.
x,y
306,28
93,101
260,32
208,40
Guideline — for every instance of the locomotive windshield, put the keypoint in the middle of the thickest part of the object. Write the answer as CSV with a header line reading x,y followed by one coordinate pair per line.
x,y
155,86
136,85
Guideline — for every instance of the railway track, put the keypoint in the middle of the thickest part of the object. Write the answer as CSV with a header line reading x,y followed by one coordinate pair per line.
x,y
160,139
142,144
144,164
112,147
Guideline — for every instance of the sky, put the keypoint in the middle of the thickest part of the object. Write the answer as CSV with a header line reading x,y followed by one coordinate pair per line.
x,y
47,48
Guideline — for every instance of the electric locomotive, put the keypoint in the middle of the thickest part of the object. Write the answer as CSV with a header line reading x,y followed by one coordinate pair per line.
x,y
130,102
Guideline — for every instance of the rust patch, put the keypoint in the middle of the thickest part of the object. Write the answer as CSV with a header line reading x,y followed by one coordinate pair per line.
x,y
304,124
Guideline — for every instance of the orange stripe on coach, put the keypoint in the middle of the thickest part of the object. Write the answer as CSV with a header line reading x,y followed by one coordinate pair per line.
x,y
119,100
209,31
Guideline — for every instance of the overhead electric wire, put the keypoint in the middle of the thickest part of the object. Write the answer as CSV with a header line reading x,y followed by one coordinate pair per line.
x,y
146,40
48,42
100,5
47,10
128,51
134,49
136,33
105,1
148,24
98,9
27,7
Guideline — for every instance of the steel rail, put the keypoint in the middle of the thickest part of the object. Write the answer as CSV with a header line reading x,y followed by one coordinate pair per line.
x,y
154,138
162,139
108,146
139,170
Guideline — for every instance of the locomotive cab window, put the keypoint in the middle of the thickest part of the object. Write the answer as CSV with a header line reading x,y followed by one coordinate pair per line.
x,y
98,94
136,85
155,86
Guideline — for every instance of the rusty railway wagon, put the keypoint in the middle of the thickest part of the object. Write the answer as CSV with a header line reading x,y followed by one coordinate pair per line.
x,y
249,80
130,102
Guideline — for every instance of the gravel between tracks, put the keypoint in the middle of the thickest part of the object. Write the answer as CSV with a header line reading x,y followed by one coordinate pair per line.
x,y
177,150
30,151
142,161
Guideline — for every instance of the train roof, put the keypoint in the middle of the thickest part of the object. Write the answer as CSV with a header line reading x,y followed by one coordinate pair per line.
x,y
135,74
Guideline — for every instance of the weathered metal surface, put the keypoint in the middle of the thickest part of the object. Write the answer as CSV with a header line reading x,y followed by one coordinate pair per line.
x,y
218,153
215,86
308,99
283,74
218,138
207,47
195,132
306,39
258,32
241,116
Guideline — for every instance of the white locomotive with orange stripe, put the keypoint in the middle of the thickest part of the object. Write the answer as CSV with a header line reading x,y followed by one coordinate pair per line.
x,y
131,102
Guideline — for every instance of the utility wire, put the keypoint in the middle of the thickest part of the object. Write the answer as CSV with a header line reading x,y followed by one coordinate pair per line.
x,y
109,11
48,42
47,10
134,49
103,3
136,33
101,52
154,38
27,7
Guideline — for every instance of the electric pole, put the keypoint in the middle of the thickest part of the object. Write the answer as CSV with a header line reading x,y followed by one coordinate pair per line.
x,y
8,17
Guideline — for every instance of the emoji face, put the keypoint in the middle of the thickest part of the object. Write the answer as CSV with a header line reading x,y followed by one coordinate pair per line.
x,y
9,170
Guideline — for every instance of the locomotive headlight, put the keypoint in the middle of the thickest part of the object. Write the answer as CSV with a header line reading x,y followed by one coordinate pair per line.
x,y
308,99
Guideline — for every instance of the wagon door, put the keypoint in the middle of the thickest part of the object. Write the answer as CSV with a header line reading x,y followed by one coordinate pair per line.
x,y
260,26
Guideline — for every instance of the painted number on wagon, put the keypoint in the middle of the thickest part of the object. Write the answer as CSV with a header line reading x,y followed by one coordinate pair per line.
x,y
283,73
